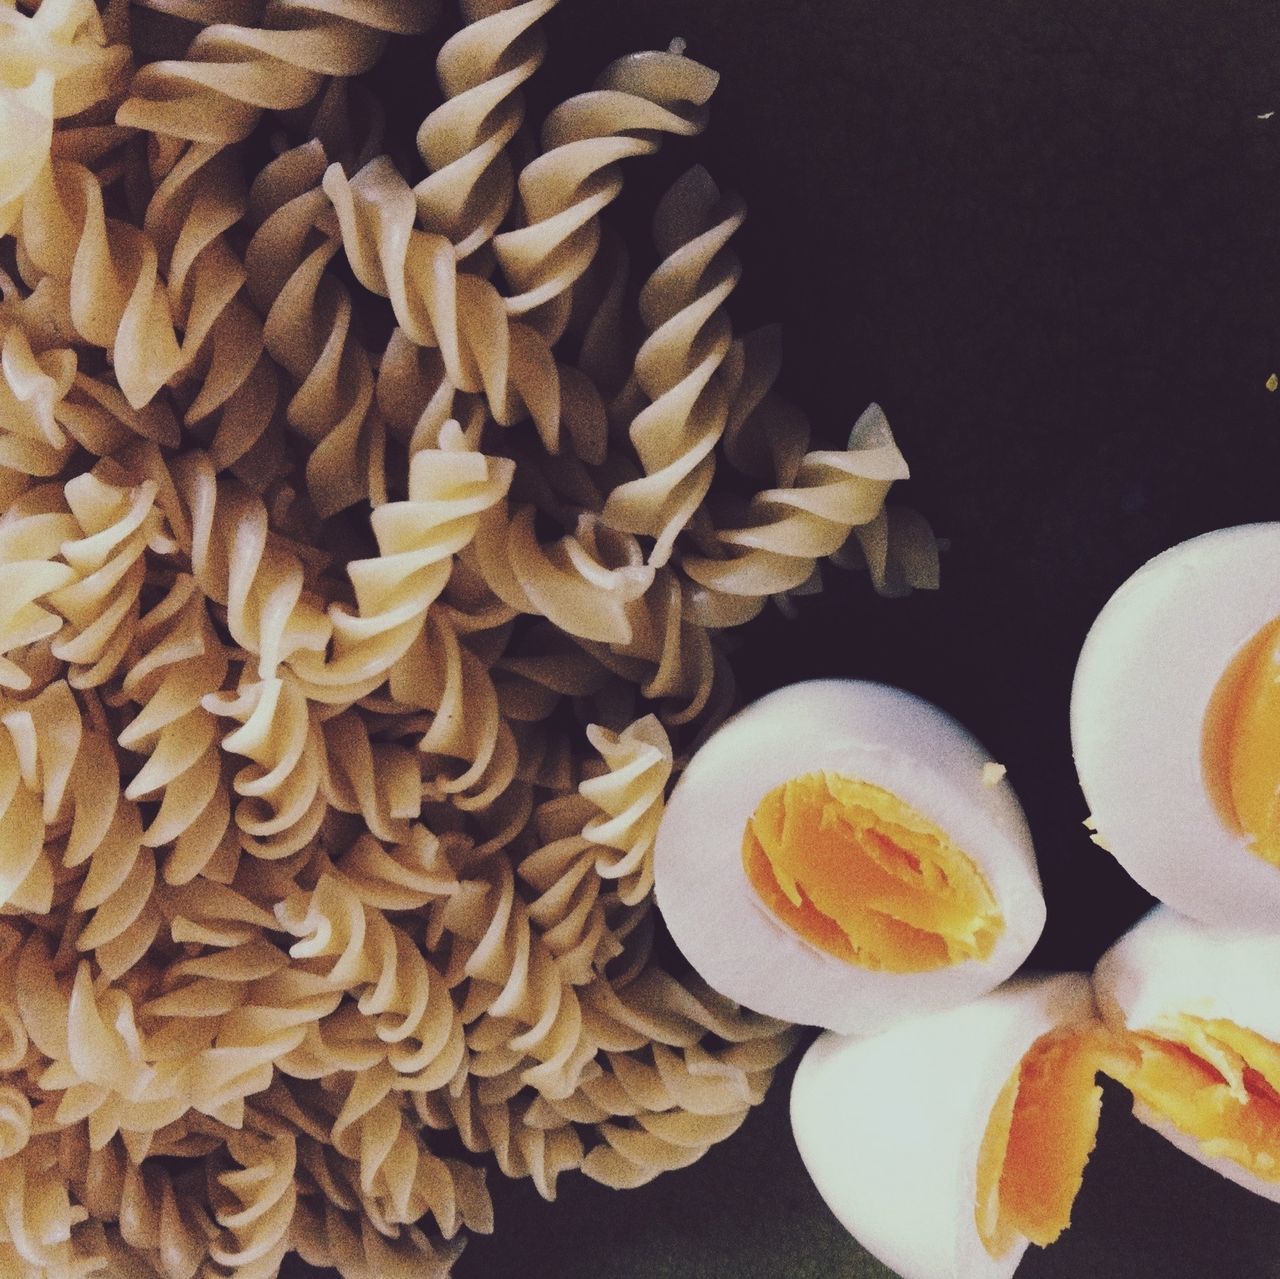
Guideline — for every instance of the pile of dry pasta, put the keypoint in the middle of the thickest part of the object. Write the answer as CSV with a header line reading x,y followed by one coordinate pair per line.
x,y
368,541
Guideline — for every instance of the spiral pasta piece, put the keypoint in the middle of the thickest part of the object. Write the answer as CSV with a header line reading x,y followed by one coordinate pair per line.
x,y
159,1219
403,997
254,1204
450,488
677,368
787,530
471,183
178,660
400,1181
230,385
360,1251
40,1228
33,384
232,72
281,789
109,274
631,798
116,525
55,62
308,328
519,1004
562,192
481,343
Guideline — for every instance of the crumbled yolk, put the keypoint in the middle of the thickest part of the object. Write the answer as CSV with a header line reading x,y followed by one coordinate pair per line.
x,y
1038,1139
864,877
1215,1082
1241,749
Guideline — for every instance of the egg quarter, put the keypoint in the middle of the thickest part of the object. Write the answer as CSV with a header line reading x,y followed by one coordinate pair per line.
x,y
894,1128
1201,1006
1175,726
868,735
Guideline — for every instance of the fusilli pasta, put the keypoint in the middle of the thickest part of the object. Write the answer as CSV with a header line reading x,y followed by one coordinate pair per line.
x,y
365,558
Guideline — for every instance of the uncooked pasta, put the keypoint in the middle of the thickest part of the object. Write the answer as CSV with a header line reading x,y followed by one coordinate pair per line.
x,y
369,543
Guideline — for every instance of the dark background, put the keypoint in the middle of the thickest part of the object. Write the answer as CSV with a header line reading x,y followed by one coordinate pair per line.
x,y
1044,237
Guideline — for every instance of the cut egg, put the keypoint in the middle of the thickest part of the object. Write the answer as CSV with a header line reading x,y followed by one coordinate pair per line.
x,y
948,1143
841,854
1199,1008
1175,726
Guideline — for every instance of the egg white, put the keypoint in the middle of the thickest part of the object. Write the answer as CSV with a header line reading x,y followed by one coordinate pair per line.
x,y
1168,965
1146,674
890,1127
865,731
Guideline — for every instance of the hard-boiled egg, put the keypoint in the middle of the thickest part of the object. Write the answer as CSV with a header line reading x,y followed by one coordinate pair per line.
x,y
1200,1009
841,854
1175,724
947,1143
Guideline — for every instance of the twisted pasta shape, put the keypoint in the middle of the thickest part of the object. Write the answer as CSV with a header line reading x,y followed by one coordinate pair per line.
x,y
227,381
403,998
107,273
33,385
635,100
655,1115
116,524
630,795
308,328
54,63
231,72
786,530
176,661
585,926
61,795
471,183
519,1005
587,583
766,437
159,1217
359,1251
520,1147
685,402
465,739
450,489
481,343
240,563
282,798
400,1181
254,1204
40,1234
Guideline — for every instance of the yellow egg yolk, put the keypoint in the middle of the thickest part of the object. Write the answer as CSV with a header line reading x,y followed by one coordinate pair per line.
x,y
861,875
1038,1139
1241,750
1215,1082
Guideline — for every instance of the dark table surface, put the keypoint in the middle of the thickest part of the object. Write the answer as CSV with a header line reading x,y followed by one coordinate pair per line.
x,y
1043,234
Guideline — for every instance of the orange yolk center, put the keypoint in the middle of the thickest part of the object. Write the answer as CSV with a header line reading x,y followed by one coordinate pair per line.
x,y
861,875
1215,1082
1241,752
1038,1139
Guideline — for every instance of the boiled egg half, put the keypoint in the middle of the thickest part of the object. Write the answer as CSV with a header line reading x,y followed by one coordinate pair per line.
x,y
948,1143
1175,726
1199,1009
844,854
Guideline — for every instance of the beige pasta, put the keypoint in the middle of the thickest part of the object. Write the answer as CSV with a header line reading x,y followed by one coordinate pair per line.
x,y
366,556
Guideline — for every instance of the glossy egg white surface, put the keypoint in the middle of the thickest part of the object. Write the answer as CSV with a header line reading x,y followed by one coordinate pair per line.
x,y
1167,965
1145,678
890,1127
863,731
